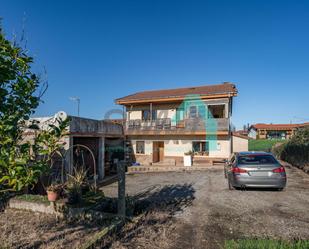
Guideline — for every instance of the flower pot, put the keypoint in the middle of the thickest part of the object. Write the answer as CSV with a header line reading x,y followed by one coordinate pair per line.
x,y
187,160
52,196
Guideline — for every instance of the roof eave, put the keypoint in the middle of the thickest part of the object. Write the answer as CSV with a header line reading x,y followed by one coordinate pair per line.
x,y
122,101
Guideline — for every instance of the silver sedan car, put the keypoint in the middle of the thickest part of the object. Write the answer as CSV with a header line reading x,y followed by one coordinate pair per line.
x,y
255,169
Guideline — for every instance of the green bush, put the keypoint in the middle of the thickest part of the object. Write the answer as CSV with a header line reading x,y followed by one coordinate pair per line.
x,y
296,150
278,149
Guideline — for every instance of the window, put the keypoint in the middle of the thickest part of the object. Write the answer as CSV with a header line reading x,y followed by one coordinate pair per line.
x,y
154,114
257,159
176,141
276,135
140,147
218,146
179,114
216,111
192,112
200,148
146,115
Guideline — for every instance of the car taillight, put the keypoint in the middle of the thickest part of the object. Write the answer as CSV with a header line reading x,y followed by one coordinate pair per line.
x,y
279,170
238,170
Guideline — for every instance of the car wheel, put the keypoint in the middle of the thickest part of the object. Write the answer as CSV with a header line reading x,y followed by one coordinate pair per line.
x,y
230,185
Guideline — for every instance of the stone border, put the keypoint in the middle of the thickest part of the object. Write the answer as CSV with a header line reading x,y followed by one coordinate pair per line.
x,y
59,210
32,206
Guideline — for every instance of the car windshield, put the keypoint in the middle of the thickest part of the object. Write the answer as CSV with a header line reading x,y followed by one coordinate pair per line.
x,y
256,159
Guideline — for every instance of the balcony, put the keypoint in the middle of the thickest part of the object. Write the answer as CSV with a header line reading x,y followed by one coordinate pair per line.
x,y
166,126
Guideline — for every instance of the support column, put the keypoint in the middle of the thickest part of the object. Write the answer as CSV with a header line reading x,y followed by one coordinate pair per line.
x,y
101,159
226,110
151,111
70,159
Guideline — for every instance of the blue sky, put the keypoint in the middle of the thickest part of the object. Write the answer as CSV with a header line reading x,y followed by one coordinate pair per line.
x,y
102,50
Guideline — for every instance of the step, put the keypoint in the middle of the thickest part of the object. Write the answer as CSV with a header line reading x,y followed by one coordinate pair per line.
x,y
144,169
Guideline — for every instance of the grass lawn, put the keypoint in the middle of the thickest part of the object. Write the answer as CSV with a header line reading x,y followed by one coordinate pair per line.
x,y
265,244
262,144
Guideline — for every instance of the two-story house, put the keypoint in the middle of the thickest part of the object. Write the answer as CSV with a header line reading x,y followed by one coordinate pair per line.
x,y
163,125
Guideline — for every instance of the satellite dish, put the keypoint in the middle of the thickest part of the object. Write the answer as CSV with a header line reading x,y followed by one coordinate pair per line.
x,y
61,115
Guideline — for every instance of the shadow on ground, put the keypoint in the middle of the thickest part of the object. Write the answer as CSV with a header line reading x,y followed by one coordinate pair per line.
x,y
170,198
153,211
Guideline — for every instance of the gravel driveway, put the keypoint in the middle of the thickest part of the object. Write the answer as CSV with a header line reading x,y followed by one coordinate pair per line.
x,y
205,212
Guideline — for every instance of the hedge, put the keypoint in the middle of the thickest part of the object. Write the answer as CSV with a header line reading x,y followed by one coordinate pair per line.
x,y
296,150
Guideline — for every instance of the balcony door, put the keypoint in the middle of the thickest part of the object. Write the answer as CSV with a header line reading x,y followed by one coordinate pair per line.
x,y
180,115
158,151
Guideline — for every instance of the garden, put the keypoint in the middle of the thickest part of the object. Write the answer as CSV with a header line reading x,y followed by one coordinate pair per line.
x,y
39,209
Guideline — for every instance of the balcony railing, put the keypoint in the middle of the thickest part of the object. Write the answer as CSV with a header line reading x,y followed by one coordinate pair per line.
x,y
186,125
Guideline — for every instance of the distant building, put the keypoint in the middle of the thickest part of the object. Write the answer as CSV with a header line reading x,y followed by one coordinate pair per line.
x,y
274,131
243,132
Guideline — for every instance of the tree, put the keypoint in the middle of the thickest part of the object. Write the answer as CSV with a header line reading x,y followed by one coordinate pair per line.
x,y
20,94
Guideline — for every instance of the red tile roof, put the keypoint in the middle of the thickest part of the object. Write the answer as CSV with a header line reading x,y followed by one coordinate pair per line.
x,y
207,90
278,126
236,134
243,132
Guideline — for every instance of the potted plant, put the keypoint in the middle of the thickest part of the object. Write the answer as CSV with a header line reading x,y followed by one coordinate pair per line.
x,y
188,158
74,193
77,185
53,192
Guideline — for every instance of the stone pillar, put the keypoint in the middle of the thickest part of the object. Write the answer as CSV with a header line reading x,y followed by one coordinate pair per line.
x,y
101,159
68,164
226,110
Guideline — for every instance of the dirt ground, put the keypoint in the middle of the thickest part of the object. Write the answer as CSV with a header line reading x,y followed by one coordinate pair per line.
x,y
25,229
177,210
196,210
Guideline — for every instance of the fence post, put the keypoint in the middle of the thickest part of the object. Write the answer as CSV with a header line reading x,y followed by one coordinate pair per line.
x,y
121,189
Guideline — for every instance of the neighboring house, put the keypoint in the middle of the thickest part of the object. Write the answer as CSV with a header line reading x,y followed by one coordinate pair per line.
x,y
243,132
274,131
163,125
239,142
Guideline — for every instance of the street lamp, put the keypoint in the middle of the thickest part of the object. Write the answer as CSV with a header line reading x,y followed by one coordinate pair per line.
x,y
77,99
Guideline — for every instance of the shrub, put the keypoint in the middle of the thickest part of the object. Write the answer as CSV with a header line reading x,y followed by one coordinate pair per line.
x,y
296,150
278,149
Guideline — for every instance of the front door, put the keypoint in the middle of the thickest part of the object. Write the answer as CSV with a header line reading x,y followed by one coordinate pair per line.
x,y
158,151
